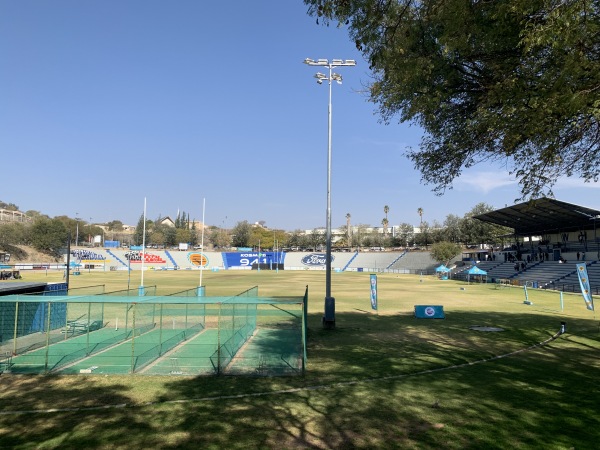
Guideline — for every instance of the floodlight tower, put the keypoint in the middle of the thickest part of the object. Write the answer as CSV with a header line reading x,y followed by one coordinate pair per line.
x,y
329,317
77,229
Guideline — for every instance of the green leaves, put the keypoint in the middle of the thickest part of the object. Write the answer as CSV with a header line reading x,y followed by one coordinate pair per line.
x,y
513,81
49,236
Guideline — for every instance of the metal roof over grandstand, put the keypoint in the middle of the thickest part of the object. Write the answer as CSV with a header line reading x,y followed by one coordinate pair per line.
x,y
542,216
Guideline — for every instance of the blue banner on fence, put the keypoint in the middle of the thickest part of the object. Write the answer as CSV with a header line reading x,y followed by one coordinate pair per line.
x,y
584,282
374,291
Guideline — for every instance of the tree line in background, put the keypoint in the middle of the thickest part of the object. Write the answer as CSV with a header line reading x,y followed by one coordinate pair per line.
x,y
50,235
45,234
457,230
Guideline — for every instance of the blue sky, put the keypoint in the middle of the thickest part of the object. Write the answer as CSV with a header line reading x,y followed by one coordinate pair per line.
x,y
105,103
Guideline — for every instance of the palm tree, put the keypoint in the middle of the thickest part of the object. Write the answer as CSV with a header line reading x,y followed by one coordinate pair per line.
x,y
384,222
349,236
386,210
420,213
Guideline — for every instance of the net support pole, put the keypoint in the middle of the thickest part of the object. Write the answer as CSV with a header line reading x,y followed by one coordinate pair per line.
x,y
160,339
16,328
133,340
67,321
47,337
219,342
127,306
87,337
304,328
233,319
186,316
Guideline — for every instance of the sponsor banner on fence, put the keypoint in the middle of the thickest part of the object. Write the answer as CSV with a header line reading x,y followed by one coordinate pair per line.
x,y
247,259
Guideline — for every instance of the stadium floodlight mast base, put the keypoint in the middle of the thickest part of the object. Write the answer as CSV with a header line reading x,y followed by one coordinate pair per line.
x,y
329,317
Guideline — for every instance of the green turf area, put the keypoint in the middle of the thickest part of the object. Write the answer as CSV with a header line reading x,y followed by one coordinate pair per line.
x,y
191,358
379,380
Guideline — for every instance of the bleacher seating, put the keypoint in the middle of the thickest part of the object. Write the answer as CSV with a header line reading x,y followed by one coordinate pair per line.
x,y
501,271
354,255
85,254
373,260
396,259
570,283
114,255
545,273
168,253
416,262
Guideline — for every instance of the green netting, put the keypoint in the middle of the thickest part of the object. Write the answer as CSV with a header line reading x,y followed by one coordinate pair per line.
x,y
28,325
236,324
276,345
133,292
50,335
193,292
177,334
96,289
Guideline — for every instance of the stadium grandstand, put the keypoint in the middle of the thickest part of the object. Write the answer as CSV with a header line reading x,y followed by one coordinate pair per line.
x,y
549,237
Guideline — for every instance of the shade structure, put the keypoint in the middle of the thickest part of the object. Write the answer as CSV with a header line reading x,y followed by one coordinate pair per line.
x,y
476,271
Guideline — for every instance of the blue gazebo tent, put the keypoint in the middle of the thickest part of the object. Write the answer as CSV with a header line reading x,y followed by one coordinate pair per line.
x,y
476,271
442,271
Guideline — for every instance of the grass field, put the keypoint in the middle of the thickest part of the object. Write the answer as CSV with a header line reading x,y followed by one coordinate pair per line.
x,y
379,380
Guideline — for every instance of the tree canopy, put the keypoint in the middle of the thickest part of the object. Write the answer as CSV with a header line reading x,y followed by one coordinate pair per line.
x,y
49,236
241,233
444,251
515,82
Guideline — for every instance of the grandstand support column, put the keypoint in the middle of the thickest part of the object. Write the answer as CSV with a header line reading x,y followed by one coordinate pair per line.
x,y
595,218
329,316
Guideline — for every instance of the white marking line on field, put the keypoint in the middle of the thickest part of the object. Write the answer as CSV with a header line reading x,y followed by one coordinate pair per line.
x,y
280,391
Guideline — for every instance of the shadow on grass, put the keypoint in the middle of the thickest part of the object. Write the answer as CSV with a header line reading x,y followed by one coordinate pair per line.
x,y
545,397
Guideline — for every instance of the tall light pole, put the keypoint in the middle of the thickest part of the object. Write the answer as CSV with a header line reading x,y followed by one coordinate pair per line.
x,y
77,230
329,317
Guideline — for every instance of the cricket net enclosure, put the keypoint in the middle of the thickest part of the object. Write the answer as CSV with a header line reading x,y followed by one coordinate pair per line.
x,y
181,334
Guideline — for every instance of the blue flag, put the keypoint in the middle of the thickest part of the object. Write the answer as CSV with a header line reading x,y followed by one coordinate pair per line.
x,y
374,291
584,282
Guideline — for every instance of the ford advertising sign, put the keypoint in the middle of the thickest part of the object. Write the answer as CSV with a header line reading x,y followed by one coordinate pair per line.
x,y
316,259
